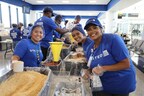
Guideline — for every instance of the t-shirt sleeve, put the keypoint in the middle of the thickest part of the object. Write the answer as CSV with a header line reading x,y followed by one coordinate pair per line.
x,y
51,23
119,49
70,25
21,48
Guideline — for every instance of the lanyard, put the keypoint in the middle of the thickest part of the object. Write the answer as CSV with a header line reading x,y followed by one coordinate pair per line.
x,y
90,58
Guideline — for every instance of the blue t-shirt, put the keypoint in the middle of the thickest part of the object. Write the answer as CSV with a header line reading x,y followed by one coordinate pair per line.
x,y
15,34
29,52
56,34
86,43
25,33
111,51
49,26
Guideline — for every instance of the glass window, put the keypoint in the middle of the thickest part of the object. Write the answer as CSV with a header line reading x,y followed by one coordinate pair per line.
x,y
13,14
27,19
20,15
36,15
9,7
5,14
0,14
17,15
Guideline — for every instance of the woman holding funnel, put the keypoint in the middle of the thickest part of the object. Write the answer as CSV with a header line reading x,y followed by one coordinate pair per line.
x,y
29,50
109,56
79,35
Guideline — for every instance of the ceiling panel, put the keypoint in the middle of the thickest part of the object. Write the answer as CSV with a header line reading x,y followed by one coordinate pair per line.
x,y
73,13
39,2
89,7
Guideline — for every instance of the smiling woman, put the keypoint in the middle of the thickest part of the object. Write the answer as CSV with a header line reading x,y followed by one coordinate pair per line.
x,y
109,56
29,50
79,35
36,33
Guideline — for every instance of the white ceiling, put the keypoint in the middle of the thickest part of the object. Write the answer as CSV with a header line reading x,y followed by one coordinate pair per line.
x,y
39,2
82,13
136,8
117,7
124,4
71,12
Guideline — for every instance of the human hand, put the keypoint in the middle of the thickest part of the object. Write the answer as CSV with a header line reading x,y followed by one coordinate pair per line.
x,y
12,63
85,73
98,70
62,39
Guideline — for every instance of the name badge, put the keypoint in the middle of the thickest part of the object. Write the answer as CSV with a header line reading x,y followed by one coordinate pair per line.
x,y
89,61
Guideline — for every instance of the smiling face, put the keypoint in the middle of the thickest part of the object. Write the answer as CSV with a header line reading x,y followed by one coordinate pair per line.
x,y
78,36
94,32
37,34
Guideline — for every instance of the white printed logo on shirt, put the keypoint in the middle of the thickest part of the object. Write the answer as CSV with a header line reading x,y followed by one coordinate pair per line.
x,y
105,53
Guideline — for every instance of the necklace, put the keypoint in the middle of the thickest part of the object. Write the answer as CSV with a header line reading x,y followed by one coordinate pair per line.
x,y
38,56
37,50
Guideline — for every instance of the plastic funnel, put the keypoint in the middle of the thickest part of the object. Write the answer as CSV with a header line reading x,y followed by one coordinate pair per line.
x,y
71,38
56,48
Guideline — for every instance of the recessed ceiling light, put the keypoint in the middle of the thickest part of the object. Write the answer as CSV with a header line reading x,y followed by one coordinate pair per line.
x,y
40,1
89,14
92,1
65,1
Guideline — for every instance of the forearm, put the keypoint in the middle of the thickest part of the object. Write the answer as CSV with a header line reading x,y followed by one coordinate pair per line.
x,y
15,57
62,31
124,64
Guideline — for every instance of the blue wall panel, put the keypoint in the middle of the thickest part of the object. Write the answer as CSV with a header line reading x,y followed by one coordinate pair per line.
x,y
73,7
17,3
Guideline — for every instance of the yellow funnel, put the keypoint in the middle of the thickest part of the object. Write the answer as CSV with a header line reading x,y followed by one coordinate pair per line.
x,y
56,49
71,38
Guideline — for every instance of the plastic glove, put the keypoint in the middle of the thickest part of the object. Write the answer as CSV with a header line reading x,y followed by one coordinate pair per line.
x,y
98,70
85,73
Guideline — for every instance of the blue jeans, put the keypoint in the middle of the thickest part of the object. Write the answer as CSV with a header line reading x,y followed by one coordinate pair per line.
x,y
101,93
14,44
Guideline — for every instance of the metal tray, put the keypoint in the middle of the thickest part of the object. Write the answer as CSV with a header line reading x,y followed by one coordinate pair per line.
x,y
70,89
71,64
66,51
70,59
43,70
66,78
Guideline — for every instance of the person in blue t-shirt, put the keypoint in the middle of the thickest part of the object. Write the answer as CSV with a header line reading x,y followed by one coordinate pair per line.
x,y
15,34
80,36
74,23
109,56
29,26
49,26
57,36
26,31
29,50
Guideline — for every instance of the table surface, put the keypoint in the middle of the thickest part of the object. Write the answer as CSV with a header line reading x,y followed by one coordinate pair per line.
x,y
6,41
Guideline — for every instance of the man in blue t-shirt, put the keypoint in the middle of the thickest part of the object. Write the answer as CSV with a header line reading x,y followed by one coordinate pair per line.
x,y
26,31
56,35
109,58
49,26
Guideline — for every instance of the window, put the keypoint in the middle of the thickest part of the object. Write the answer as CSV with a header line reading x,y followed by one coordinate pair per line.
x,y
5,14
13,14
0,14
20,15
27,19
17,15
